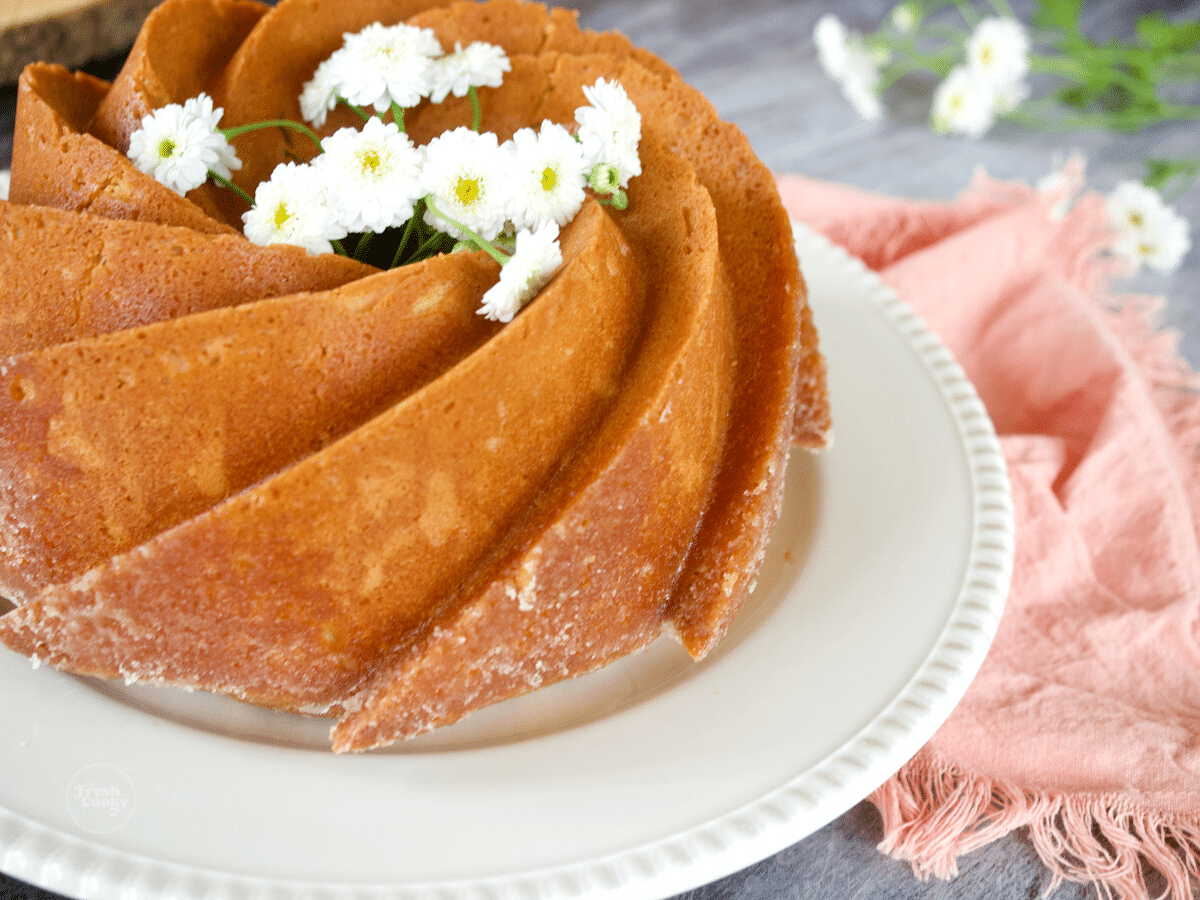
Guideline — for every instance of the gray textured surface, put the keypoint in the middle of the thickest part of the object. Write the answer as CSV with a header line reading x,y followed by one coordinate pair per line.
x,y
755,61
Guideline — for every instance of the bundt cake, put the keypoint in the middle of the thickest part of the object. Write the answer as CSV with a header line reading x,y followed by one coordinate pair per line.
x,y
319,487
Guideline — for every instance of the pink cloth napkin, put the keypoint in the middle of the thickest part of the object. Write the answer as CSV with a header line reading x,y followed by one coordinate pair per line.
x,y
1084,722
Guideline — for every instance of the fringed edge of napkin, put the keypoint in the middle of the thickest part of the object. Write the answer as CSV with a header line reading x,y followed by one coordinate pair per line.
x,y
934,811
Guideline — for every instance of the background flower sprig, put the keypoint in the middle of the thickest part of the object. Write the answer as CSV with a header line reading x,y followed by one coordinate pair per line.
x,y
987,63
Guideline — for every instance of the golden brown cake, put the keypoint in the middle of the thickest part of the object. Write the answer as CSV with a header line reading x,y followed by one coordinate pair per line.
x,y
326,489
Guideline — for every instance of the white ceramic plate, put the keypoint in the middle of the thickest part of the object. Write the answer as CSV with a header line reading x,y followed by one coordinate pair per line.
x,y
879,597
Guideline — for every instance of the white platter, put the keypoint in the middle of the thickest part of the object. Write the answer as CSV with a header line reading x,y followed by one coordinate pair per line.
x,y
880,595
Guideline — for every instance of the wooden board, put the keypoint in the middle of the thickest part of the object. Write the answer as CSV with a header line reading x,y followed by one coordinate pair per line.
x,y
70,32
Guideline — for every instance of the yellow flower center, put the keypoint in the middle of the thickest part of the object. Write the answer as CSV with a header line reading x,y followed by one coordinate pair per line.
x,y
281,215
1135,219
549,179
1145,250
467,190
370,161
985,55
166,149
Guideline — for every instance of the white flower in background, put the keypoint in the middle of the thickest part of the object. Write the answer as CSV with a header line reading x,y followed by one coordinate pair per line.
x,y
998,51
1007,97
549,176
854,66
860,84
291,208
320,93
535,260
1063,184
963,104
5,179
904,18
469,177
1148,231
477,65
387,64
831,38
178,145
610,129
372,176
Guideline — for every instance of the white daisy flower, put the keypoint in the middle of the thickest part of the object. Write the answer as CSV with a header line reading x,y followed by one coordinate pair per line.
x,y
320,93
963,104
5,181
178,145
998,51
831,39
549,176
1007,97
904,17
536,258
468,175
478,65
610,129
1148,231
291,208
848,61
201,106
372,176
387,64
860,83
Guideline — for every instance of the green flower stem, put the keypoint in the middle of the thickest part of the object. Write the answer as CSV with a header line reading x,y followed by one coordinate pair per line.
x,y
1178,68
231,133
408,229
931,7
364,244
1003,9
427,244
479,242
967,11
398,116
939,64
1079,71
941,30
339,248
358,110
1127,121
1162,172
225,182
617,200
477,111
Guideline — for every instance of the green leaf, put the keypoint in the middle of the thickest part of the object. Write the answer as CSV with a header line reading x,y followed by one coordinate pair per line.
x,y
1060,14
1076,96
1162,36
1161,172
